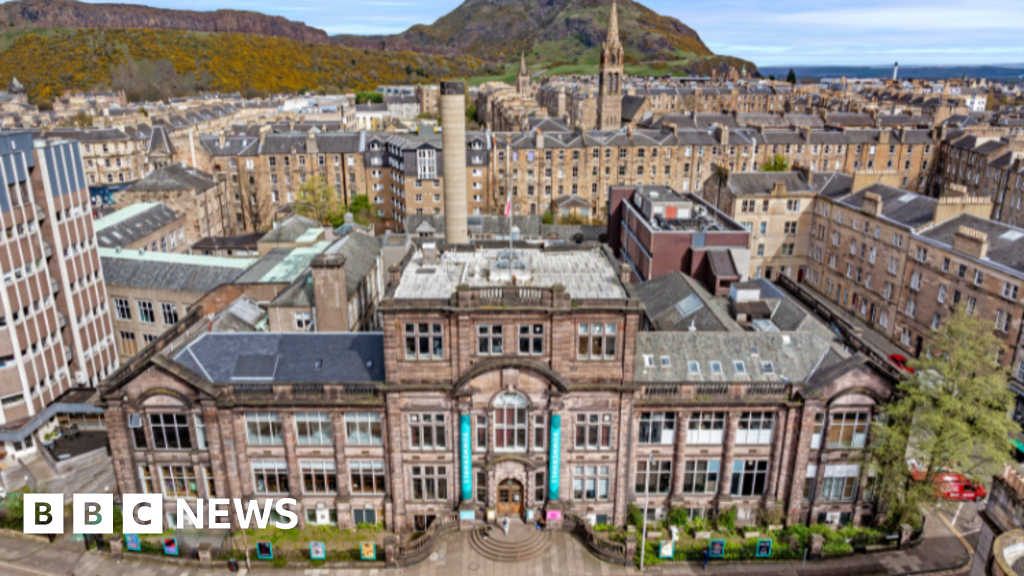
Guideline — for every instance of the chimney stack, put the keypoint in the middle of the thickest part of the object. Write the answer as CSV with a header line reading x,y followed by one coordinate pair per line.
x,y
625,273
971,242
330,293
453,143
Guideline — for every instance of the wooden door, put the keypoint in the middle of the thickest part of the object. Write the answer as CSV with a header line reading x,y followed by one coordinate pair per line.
x,y
510,498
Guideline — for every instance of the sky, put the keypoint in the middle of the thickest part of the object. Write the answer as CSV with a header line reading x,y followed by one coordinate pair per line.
x,y
769,33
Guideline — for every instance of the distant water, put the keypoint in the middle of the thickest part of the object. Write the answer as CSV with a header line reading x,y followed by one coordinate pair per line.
x,y
999,72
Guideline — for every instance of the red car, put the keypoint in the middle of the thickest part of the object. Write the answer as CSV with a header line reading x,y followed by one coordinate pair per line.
x,y
901,362
955,486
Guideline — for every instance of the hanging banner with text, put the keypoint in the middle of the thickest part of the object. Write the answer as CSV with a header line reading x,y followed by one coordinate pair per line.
x,y
555,459
467,462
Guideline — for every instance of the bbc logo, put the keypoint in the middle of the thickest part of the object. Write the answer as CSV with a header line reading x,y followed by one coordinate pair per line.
x,y
93,513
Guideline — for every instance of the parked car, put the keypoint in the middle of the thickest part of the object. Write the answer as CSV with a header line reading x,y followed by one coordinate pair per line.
x,y
954,486
901,362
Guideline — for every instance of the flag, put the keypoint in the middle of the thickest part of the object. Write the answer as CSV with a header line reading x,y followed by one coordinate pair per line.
x,y
508,207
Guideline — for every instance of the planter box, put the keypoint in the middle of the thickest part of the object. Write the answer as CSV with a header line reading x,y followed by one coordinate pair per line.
x,y
702,535
654,535
774,528
749,535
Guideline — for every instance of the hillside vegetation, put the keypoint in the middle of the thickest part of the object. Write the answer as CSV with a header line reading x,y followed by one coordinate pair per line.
x,y
150,64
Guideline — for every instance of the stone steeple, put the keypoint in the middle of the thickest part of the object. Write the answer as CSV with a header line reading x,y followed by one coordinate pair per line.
x,y
522,64
523,77
609,98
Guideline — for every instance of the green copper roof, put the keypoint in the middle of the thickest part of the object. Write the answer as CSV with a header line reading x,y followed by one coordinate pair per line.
x,y
171,258
294,264
311,235
122,215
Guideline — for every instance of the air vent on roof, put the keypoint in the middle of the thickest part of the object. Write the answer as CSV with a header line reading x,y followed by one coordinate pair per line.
x,y
255,367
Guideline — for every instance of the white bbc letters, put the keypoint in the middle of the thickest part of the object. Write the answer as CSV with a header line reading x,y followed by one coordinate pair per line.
x,y
92,514
44,514
150,510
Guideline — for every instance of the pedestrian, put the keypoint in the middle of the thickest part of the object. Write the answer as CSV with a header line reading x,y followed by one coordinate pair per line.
x,y
706,557
504,525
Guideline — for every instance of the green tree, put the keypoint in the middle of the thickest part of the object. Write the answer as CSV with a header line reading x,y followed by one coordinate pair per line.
x,y
778,163
953,412
316,200
369,96
791,77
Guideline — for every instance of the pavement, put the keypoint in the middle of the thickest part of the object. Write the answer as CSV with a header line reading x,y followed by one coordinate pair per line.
x,y
942,552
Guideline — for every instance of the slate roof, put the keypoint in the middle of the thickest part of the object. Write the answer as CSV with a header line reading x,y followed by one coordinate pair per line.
x,y
122,232
1004,241
243,241
290,230
172,178
907,209
529,226
361,253
751,183
153,273
661,295
265,358
794,356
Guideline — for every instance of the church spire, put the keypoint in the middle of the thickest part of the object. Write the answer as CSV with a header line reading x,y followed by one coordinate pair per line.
x,y
522,64
613,25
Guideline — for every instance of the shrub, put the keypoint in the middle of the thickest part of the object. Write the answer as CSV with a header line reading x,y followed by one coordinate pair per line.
x,y
604,528
634,516
726,521
677,517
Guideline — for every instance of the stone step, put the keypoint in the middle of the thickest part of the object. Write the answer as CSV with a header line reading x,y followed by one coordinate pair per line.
x,y
519,550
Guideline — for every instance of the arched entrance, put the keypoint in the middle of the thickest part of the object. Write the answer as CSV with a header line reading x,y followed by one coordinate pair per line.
x,y
510,498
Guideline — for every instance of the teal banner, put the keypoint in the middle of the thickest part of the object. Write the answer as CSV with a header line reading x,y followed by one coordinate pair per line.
x,y
466,437
555,458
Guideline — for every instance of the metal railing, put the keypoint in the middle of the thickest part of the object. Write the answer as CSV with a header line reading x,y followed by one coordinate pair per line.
x,y
667,391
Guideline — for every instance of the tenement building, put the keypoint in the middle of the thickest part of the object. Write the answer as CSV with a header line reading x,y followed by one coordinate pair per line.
x,y
516,381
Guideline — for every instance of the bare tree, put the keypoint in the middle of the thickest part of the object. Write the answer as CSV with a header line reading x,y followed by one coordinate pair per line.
x,y
255,208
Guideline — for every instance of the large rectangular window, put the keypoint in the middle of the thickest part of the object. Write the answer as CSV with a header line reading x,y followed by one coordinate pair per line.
x,y
539,431
593,431
749,477
314,428
128,344
481,486
510,423
539,486
591,482
657,427
319,477
754,428
263,428
179,482
146,314
429,483
531,339
848,430
427,431
123,308
426,164
840,483
367,477
270,477
424,341
660,479
170,431
596,341
700,477
170,312
363,429
490,340
706,428
481,432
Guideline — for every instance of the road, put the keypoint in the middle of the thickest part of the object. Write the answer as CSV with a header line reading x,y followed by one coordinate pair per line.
x,y
13,570
963,516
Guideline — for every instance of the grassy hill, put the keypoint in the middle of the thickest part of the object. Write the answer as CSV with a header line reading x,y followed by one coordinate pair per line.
x,y
150,64
563,36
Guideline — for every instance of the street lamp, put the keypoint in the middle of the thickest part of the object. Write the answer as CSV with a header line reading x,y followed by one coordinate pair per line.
x,y
647,501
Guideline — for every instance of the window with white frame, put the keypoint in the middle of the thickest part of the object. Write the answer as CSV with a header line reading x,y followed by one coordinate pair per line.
x,y
170,431
531,339
819,424
123,308
263,428
749,477
146,314
539,431
755,428
705,428
653,478
490,340
657,427
170,313
700,477
848,430
429,483
303,320
367,477
179,482
271,477
591,482
427,431
200,431
426,164
314,428
840,483
510,422
593,431
319,477
596,341
147,479
424,341
363,429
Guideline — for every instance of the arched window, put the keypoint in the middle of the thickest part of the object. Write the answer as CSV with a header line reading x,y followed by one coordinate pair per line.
x,y
510,423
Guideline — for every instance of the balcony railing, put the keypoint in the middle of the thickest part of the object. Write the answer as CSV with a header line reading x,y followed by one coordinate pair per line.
x,y
311,393
711,391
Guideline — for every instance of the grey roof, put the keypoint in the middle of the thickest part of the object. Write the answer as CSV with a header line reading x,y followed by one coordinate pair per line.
x,y
907,209
193,278
242,315
172,178
361,252
529,226
1004,241
289,230
751,183
131,229
661,296
242,241
794,356
345,357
